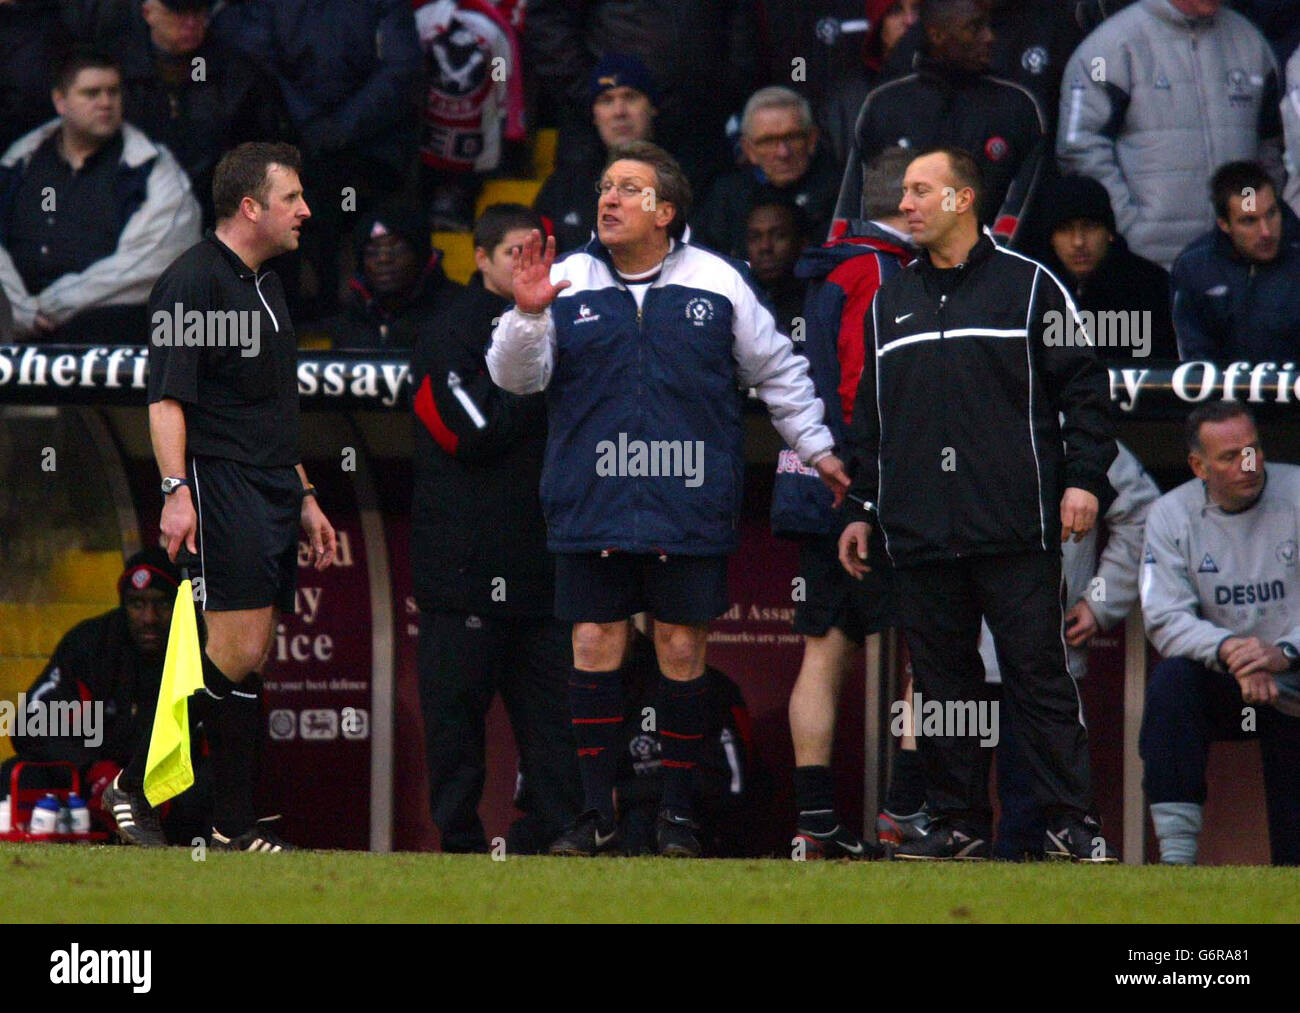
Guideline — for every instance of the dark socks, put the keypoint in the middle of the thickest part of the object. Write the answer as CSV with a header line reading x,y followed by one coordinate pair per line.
x,y
596,709
907,786
814,794
680,721
233,723
200,709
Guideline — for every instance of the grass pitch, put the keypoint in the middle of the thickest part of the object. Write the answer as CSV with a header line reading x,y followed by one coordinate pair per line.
x,y
120,884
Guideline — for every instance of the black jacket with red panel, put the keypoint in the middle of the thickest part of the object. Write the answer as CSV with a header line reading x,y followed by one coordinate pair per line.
x,y
478,540
96,663
999,122
843,277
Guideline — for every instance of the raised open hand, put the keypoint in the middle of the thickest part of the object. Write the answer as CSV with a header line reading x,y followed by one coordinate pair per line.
x,y
530,274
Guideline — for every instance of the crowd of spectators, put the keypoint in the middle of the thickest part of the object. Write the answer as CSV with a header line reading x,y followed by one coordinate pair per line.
x,y
773,109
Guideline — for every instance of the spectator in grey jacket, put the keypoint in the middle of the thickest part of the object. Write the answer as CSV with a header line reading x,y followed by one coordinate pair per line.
x,y
1235,293
1154,100
91,213
1291,129
1219,583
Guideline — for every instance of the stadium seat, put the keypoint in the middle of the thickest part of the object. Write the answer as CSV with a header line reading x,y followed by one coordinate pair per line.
x,y
457,254
544,144
84,575
507,191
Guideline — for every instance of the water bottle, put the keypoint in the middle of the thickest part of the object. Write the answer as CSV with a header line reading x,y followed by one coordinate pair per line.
x,y
45,816
78,815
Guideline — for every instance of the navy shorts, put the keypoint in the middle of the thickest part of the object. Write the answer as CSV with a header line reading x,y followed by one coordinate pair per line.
x,y
249,519
682,590
834,599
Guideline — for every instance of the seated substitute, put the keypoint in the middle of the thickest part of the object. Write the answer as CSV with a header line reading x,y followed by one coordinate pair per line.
x,y
91,213
721,787
115,662
1235,293
1219,580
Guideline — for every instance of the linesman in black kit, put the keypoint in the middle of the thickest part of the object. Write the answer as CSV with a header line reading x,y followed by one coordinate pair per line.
x,y
223,417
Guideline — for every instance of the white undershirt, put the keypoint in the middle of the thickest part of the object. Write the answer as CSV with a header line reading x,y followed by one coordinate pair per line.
x,y
638,284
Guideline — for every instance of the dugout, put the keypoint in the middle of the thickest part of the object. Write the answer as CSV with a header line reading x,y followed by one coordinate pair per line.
x,y
78,492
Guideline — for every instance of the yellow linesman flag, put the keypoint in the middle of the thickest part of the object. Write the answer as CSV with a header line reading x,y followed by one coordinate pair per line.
x,y
168,770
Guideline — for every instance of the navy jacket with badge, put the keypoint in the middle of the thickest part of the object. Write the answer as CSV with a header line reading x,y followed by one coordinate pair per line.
x,y
634,393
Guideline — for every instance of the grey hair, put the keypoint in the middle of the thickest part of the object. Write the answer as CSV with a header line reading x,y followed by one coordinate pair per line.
x,y
775,97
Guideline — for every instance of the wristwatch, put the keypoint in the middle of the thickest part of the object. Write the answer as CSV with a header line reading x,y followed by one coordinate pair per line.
x,y
170,485
1292,655
309,490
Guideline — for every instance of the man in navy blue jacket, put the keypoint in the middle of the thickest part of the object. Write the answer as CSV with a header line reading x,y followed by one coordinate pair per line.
x,y
1235,295
645,346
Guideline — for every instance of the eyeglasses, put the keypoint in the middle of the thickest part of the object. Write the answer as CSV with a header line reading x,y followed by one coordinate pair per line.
x,y
790,140
628,190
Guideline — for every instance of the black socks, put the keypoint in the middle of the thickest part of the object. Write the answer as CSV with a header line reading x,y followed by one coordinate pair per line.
x,y
814,794
680,720
596,710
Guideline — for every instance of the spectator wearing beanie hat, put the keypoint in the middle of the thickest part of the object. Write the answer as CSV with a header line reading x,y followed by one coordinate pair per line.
x,y
624,101
398,286
1103,275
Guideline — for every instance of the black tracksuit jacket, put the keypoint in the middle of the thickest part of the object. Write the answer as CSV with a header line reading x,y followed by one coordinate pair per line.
x,y
955,434
476,516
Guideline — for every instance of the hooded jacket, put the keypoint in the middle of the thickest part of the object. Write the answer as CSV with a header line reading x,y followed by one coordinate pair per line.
x,y
957,435
1228,309
364,322
159,221
646,432
843,277
999,122
1153,102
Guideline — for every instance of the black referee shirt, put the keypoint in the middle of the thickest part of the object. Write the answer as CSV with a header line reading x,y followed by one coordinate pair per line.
x,y
237,406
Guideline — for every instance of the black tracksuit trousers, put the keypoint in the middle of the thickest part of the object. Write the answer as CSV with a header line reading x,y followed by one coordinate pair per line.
x,y
1021,597
464,660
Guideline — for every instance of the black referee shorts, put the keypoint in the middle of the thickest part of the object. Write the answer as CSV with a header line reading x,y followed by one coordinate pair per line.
x,y
248,533
682,590
834,599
